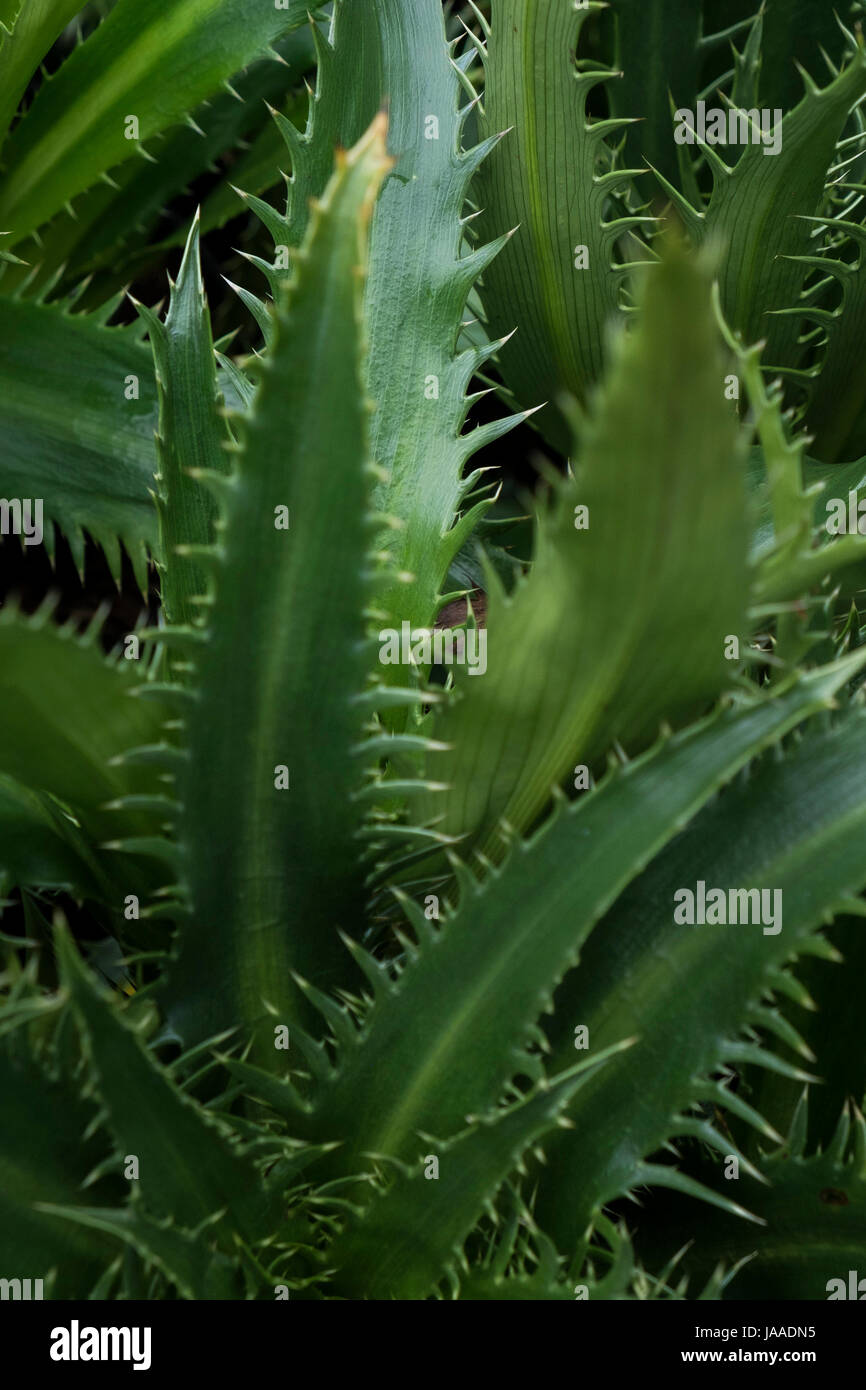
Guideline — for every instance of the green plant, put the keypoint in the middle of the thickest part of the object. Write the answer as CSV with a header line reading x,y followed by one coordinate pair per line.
x,y
398,1003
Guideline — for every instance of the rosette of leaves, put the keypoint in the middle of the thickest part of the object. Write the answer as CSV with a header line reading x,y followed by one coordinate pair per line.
x,y
323,983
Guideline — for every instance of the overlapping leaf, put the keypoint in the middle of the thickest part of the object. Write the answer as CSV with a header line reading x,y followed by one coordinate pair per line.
x,y
759,207
590,648
138,64
192,435
186,1167
70,720
440,1043
269,829
77,420
658,53
814,1208
393,53
123,224
48,1151
795,826
27,30
553,177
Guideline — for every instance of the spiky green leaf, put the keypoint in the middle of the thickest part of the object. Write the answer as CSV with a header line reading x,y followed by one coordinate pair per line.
x,y
186,1168
590,648
279,800
687,991
136,66
552,178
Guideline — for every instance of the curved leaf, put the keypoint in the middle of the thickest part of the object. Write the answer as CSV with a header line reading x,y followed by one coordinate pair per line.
x,y
483,979
410,1235
71,721
552,177
47,1150
39,846
814,1209
186,1167
119,227
590,648
28,28
77,418
759,210
196,1271
688,991
136,64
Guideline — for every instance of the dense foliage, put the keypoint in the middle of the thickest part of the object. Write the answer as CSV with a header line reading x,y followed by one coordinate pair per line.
x,y
334,966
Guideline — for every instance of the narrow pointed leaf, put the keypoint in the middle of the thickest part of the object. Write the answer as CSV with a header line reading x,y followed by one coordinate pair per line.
x,y
194,1270
191,435
555,281
421,273
278,801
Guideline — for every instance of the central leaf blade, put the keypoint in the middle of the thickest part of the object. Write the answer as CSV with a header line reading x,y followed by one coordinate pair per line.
x,y
269,822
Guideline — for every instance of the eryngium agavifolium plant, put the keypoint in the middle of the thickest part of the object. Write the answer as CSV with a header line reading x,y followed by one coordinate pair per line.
x,y
452,823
